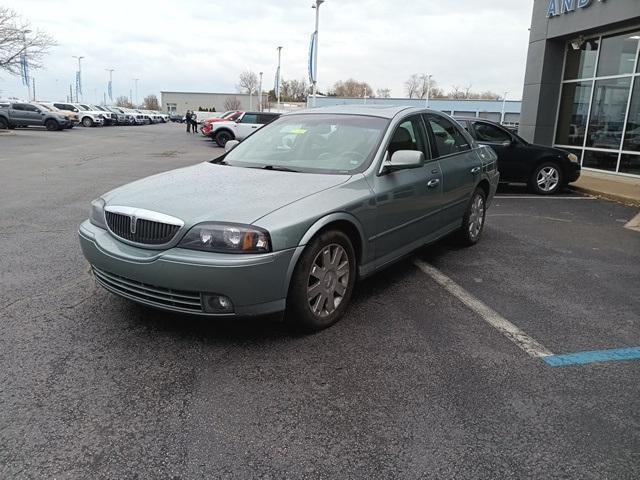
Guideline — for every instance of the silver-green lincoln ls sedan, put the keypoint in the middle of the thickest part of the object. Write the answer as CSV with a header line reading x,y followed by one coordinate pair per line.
x,y
291,217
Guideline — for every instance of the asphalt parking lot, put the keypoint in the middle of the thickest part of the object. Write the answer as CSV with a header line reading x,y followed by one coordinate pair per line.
x,y
422,378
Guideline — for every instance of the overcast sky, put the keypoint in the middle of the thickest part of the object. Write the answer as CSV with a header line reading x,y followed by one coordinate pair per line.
x,y
203,45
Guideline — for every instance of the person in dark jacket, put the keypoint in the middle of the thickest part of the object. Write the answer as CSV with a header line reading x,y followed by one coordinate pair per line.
x,y
194,122
187,120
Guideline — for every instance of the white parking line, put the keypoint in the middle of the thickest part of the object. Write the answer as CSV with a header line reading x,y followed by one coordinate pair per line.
x,y
493,318
634,223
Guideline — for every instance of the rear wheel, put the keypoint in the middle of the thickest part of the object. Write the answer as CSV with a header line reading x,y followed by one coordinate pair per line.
x,y
3,123
473,220
222,138
546,179
87,122
322,282
51,125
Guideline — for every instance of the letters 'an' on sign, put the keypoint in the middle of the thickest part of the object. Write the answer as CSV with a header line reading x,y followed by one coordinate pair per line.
x,y
560,7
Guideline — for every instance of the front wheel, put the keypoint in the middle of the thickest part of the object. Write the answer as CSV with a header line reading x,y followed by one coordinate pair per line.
x,y
222,138
87,122
51,125
3,123
322,282
473,220
546,179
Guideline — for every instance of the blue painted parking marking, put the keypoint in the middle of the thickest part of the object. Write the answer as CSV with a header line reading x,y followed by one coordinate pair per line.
x,y
595,356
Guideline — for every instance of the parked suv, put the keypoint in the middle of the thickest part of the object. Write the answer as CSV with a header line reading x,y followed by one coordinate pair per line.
x,y
88,117
228,116
545,170
26,114
71,116
245,125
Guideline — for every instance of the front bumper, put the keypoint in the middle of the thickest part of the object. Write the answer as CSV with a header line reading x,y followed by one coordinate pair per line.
x,y
573,172
176,278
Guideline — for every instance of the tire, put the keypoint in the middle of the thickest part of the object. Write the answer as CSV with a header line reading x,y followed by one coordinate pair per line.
x,y
51,125
474,219
222,137
3,123
313,285
547,179
87,122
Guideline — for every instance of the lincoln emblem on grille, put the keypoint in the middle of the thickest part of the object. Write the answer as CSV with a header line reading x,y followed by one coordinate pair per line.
x,y
134,221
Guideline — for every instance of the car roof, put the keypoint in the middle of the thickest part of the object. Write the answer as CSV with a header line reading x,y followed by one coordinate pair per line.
x,y
383,111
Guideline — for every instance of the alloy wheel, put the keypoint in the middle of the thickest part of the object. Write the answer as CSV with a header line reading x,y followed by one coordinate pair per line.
x,y
476,218
328,280
548,178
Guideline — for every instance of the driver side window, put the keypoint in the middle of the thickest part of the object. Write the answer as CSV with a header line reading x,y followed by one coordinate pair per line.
x,y
408,136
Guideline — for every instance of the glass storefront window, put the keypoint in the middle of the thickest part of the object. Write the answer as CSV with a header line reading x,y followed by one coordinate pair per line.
x,y
630,164
618,54
600,160
632,136
608,113
574,108
581,63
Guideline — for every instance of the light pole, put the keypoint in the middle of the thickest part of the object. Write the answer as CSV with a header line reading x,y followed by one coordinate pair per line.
x,y
110,84
314,60
504,106
260,93
25,65
136,80
426,102
278,77
79,78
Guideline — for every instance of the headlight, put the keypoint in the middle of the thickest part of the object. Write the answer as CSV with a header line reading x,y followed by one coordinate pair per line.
x,y
573,158
227,238
96,216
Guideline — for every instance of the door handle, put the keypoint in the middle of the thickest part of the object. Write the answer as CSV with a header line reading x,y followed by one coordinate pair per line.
x,y
254,126
433,183
475,169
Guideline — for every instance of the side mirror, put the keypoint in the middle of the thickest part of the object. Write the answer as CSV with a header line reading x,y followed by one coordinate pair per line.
x,y
230,145
403,160
508,143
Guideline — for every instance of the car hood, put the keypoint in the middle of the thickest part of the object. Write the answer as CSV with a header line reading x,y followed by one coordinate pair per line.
x,y
211,192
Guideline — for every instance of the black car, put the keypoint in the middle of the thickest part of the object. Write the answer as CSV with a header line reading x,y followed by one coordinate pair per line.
x,y
545,170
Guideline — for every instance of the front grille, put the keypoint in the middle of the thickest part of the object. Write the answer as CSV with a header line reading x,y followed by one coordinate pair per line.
x,y
159,296
146,232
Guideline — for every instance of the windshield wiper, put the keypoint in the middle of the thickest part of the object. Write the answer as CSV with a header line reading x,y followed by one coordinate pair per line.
x,y
278,168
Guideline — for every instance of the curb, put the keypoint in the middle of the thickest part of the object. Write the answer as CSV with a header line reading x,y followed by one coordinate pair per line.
x,y
615,197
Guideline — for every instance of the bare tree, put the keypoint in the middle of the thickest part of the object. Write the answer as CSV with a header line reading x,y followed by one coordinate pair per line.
x,y
151,103
247,82
294,90
232,103
123,101
352,88
383,93
18,39
412,85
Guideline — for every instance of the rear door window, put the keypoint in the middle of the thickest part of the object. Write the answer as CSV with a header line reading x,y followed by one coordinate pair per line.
x,y
448,137
264,118
487,133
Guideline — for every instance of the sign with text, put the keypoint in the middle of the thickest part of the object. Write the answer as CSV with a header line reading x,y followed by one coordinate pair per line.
x,y
562,7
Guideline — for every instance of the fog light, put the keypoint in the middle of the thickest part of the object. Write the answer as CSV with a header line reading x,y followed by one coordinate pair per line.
x,y
217,303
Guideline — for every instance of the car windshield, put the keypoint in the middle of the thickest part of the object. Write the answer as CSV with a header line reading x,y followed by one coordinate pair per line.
x,y
82,107
317,143
227,114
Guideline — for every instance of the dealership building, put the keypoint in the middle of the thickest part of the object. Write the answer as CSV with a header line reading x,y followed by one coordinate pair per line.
x,y
582,82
